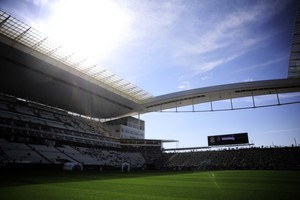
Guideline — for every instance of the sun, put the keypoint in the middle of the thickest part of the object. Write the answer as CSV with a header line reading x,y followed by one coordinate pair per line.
x,y
91,28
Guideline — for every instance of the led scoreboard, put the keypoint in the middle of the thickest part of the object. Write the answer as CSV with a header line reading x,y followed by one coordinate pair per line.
x,y
237,138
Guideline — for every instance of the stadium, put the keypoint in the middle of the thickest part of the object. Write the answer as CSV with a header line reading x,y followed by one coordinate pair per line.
x,y
53,146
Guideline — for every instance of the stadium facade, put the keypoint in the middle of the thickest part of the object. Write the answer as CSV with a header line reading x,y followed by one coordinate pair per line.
x,y
294,64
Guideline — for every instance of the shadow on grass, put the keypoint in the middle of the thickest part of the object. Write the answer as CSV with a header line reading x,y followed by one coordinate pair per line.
x,y
29,176
18,177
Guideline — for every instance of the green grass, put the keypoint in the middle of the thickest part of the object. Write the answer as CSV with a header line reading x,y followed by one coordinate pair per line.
x,y
235,184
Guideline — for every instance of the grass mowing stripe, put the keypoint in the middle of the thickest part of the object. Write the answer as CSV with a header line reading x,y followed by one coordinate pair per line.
x,y
161,185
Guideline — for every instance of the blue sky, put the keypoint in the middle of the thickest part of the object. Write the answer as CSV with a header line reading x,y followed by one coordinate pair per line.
x,y
170,46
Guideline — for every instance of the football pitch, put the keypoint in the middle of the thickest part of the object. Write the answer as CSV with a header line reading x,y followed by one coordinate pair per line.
x,y
230,184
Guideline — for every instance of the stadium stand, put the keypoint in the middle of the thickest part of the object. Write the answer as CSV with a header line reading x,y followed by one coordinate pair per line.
x,y
21,118
51,153
246,158
33,133
19,153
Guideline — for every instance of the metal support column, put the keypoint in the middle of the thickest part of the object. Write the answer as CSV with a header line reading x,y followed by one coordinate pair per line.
x,y
253,101
231,104
278,100
211,104
193,105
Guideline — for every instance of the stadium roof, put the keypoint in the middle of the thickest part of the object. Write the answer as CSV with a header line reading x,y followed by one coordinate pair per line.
x,y
32,39
37,69
222,92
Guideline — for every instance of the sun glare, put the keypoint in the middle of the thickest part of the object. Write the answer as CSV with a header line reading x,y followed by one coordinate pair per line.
x,y
91,28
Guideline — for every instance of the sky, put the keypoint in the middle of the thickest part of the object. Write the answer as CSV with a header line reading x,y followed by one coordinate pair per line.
x,y
169,46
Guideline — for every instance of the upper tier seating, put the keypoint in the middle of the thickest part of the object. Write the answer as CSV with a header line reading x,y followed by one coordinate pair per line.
x,y
28,119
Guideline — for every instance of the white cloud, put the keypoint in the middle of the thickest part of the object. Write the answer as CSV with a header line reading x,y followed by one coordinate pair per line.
x,y
219,35
185,85
222,35
278,59
38,2
209,65
248,80
204,77
153,20
224,38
